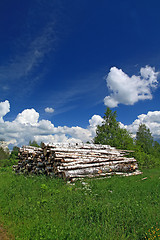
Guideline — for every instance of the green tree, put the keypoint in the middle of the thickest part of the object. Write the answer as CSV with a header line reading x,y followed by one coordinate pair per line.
x,y
110,133
33,143
156,147
14,152
144,139
3,154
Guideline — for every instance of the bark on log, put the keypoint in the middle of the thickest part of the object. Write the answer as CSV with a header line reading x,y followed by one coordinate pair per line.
x,y
81,165
72,160
94,151
68,162
103,175
100,171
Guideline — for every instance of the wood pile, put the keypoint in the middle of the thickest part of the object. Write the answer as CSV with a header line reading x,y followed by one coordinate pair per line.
x,y
31,160
72,161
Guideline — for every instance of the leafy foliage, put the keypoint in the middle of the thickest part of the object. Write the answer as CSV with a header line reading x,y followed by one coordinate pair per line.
x,y
3,154
33,143
7,159
146,160
144,138
110,133
146,151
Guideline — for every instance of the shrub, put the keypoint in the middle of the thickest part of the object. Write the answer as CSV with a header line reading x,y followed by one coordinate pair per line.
x,y
146,160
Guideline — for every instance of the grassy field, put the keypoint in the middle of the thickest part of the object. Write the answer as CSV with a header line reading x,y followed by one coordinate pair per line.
x,y
113,208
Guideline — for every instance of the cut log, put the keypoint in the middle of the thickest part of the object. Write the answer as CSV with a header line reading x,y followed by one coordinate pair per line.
x,y
99,170
72,176
73,160
81,165
103,175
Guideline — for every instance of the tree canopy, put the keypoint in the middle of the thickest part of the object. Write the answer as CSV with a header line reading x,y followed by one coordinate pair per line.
x,y
144,138
110,132
33,143
3,154
146,151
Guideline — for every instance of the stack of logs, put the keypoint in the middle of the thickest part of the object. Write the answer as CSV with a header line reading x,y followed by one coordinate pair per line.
x,y
32,160
72,161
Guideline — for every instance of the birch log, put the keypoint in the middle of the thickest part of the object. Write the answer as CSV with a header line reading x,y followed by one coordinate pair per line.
x,y
100,170
75,160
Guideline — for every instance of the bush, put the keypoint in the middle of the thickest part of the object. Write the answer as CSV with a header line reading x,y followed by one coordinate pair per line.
x,y
146,160
8,160
3,154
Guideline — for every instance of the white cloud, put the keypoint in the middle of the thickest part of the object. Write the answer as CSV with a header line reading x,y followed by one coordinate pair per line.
x,y
49,110
27,126
95,120
28,116
4,109
56,138
129,90
50,138
151,120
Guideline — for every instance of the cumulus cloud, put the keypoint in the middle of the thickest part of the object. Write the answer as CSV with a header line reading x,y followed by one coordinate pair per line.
x,y
4,109
129,90
27,126
151,120
56,138
49,110
95,120
28,116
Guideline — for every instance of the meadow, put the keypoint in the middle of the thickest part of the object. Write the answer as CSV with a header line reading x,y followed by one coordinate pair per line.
x,y
38,207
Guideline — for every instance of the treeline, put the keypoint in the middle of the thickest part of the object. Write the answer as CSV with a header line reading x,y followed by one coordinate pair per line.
x,y
145,149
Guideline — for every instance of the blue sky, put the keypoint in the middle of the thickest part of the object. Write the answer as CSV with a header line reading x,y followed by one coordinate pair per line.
x,y
63,62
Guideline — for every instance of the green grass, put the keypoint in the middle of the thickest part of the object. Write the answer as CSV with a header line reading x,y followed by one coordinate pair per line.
x,y
113,208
